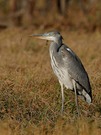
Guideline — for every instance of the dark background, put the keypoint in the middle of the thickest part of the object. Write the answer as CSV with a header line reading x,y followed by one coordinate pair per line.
x,y
60,14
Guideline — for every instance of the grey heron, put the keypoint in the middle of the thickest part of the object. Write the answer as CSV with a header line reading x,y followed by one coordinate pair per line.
x,y
68,68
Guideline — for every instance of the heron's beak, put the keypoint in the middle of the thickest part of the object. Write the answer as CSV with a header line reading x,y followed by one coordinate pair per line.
x,y
42,36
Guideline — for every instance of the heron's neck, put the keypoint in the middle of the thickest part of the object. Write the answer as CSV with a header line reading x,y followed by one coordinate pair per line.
x,y
55,45
54,49
58,41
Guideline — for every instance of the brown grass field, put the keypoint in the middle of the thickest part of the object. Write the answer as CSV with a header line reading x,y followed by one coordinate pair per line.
x,y
30,97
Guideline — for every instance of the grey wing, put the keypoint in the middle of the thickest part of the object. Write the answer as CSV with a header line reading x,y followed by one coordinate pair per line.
x,y
75,68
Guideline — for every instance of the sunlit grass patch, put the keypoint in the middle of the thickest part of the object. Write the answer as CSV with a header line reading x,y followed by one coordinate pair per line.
x,y
30,95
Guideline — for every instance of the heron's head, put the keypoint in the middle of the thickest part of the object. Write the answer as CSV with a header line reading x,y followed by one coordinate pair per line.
x,y
52,36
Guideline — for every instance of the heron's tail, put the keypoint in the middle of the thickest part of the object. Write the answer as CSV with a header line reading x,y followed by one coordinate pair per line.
x,y
87,96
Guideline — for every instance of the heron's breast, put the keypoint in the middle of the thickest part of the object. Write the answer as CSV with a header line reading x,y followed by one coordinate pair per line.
x,y
62,73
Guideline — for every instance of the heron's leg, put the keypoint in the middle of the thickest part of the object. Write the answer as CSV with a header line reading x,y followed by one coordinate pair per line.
x,y
62,92
76,98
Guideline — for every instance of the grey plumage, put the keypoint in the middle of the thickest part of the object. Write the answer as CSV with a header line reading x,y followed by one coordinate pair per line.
x,y
67,67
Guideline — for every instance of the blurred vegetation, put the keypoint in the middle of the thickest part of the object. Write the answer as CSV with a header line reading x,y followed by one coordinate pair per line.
x,y
61,14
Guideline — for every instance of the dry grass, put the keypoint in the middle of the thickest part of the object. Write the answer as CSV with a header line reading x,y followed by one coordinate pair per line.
x,y
30,98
